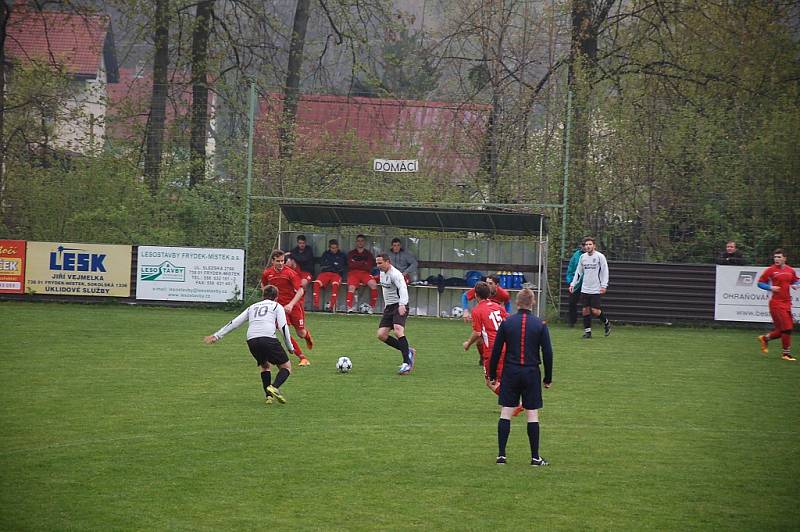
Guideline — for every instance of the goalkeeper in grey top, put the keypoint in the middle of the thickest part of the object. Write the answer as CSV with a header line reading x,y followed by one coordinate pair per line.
x,y
265,319
593,272
395,311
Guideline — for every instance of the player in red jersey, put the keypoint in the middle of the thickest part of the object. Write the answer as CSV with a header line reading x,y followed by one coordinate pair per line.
x,y
498,294
777,279
486,319
359,273
290,295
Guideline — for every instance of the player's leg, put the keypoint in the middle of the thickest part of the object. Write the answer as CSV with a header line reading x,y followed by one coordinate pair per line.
x,y
405,350
373,292
352,284
587,321
260,352
777,327
572,308
597,311
317,287
532,401
278,357
786,324
299,322
335,292
291,320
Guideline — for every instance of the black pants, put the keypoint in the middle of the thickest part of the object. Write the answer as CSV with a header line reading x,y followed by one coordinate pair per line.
x,y
572,309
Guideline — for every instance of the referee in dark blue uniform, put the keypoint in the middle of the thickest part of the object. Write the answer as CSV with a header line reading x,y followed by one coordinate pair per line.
x,y
523,336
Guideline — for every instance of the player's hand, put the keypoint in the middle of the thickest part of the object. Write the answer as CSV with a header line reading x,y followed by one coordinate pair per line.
x,y
494,385
602,291
547,384
775,289
288,308
210,339
401,310
571,289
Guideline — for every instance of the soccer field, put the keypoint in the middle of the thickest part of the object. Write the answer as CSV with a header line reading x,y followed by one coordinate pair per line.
x,y
117,417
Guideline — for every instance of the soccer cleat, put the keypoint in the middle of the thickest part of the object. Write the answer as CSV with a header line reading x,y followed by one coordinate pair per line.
x,y
518,411
587,335
539,462
501,460
404,369
305,361
788,357
607,328
763,341
309,340
276,393
350,310
268,400
412,357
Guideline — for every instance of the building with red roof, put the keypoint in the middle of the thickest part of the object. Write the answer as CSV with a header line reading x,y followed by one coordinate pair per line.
x,y
446,138
81,46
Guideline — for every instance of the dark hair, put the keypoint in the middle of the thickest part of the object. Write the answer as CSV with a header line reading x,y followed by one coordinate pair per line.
x,y
271,292
494,278
385,257
301,238
333,241
589,239
275,254
482,290
779,251
360,236
396,240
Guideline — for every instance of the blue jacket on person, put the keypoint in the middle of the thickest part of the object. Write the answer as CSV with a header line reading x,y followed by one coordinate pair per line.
x,y
333,262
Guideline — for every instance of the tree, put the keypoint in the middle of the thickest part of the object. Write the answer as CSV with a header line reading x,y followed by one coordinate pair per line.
x,y
291,93
154,141
199,132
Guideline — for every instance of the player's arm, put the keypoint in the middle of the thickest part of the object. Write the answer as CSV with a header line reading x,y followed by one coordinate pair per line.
x,y
466,297
547,357
283,326
263,280
603,275
402,291
764,282
476,332
412,266
299,292
497,350
233,324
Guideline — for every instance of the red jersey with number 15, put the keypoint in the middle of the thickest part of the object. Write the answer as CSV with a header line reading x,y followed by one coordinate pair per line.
x,y
486,319
783,278
286,281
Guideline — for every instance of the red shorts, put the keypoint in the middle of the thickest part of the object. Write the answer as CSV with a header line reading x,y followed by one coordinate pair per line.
x,y
326,278
781,317
297,317
486,360
359,277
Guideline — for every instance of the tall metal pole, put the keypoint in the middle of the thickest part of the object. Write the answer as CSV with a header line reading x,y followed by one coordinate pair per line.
x,y
567,138
249,185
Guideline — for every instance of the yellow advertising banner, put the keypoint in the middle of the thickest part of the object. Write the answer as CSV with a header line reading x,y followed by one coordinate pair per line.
x,y
65,268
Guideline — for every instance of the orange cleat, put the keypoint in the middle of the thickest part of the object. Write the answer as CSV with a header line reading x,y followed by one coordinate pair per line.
x,y
304,361
790,358
763,341
518,411
309,340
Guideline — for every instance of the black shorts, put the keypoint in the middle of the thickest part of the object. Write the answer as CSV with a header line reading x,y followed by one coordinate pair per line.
x,y
265,349
391,316
521,381
590,300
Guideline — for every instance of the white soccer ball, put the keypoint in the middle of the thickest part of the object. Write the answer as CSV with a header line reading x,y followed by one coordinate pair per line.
x,y
457,312
344,365
364,308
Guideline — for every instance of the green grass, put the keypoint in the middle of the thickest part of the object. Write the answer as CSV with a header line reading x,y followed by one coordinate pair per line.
x,y
119,417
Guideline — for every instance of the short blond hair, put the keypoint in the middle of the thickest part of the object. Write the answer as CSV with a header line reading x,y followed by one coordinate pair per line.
x,y
526,299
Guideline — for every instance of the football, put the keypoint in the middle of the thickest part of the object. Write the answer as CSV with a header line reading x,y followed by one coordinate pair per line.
x,y
364,308
457,312
344,365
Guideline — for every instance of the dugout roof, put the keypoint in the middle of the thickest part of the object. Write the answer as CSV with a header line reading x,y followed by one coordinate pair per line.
x,y
415,217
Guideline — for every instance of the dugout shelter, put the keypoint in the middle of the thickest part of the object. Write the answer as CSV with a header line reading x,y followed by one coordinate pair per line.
x,y
448,241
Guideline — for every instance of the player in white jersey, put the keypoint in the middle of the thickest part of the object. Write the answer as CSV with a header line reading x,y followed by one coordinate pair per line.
x,y
395,311
265,319
593,271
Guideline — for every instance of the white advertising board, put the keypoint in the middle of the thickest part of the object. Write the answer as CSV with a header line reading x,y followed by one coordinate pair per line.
x,y
189,274
738,297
